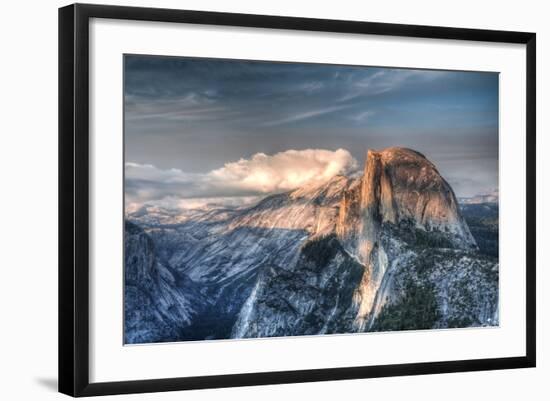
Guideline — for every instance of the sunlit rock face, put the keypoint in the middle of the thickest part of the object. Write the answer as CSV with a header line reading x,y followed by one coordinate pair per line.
x,y
385,250
412,188
399,186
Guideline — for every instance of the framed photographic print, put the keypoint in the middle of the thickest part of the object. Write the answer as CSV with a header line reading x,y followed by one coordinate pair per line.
x,y
293,199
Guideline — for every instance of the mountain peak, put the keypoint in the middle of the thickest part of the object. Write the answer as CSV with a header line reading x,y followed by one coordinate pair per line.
x,y
396,156
397,151
401,185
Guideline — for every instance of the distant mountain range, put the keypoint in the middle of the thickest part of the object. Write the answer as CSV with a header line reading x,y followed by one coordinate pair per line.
x,y
477,199
391,249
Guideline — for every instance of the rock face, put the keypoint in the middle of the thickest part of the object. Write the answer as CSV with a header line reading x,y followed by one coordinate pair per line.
x,y
314,296
156,301
399,187
388,250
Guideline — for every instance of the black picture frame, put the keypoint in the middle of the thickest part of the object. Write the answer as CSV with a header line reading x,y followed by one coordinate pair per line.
x,y
74,202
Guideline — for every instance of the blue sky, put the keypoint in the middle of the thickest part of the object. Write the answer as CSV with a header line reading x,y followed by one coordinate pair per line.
x,y
194,116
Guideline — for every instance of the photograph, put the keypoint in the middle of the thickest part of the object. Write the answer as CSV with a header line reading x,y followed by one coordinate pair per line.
x,y
277,199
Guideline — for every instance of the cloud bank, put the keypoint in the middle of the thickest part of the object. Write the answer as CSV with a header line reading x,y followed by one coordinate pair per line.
x,y
236,182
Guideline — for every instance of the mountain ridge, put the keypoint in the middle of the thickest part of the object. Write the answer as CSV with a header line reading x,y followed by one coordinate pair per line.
x,y
354,244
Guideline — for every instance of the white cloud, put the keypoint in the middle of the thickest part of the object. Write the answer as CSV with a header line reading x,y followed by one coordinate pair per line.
x,y
236,182
285,170
172,205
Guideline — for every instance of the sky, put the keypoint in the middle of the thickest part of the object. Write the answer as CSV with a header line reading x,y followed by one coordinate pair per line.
x,y
203,131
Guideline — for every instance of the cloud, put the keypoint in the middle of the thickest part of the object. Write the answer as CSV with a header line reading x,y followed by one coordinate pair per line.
x,y
173,206
388,80
310,87
304,115
363,116
192,106
236,182
285,170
